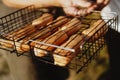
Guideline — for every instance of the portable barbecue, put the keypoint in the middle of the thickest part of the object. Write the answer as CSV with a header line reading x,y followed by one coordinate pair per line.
x,y
73,46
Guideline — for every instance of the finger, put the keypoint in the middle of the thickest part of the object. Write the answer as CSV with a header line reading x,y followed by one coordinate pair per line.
x,y
82,12
103,2
71,11
85,11
106,2
92,8
100,1
82,3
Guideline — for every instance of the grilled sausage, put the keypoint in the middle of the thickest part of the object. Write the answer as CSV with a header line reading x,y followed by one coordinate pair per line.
x,y
59,37
63,57
42,20
10,44
97,30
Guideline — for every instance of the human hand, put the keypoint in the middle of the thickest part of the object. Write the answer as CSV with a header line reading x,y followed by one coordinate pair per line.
x,y
82,7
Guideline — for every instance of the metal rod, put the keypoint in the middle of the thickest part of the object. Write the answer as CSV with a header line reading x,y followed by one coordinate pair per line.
x,y
61,47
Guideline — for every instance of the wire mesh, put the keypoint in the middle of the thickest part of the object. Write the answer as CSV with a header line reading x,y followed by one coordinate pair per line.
x,y
89,48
